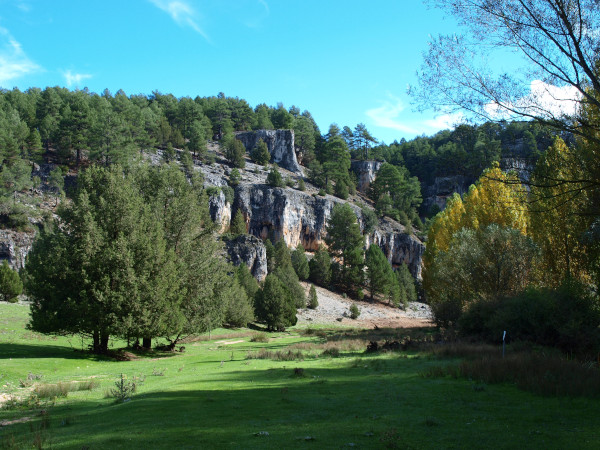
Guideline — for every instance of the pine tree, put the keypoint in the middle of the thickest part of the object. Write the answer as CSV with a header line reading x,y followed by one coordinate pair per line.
x,y
234,177
345,243
235,153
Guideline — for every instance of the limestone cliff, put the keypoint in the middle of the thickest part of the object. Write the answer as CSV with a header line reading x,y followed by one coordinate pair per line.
x,y
366,172
14,246
251,251
298,217
442,189
280,144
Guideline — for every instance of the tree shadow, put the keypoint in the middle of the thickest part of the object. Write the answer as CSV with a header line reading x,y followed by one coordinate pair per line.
x,y
18,351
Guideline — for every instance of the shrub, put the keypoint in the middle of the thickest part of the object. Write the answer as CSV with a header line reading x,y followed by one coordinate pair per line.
x,y
124,389
301,185
259,337
274,178
238,224
234,177
567,318
354,311
11,285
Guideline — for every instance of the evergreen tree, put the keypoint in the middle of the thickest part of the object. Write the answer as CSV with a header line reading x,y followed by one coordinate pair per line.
x,y
238,224
11,285
320,267
270,251
407,283
346,243
274,178
313,300
260,153
300,262
234,177
274,305
235,153
246,280
380,276
239,310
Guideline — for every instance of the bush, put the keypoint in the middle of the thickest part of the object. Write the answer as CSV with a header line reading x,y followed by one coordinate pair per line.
x,y
301,185
567,318
11,285
274,178
234,177
124,389
354,311
300,262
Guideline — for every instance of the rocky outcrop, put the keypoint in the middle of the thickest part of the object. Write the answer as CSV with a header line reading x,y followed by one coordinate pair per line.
x,y
220,211
14,246
523,167
366,172
280,144
442,189
298,217
248,250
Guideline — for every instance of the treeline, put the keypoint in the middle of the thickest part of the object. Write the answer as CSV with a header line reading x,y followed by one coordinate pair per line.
x,y
111,129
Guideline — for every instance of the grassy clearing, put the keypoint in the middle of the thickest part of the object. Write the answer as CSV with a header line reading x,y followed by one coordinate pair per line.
x,y
213,396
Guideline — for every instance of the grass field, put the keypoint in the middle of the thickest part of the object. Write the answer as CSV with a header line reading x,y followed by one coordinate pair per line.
x,y
217,394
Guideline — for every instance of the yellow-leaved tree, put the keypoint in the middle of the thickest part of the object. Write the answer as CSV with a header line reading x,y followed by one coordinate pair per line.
x,y
557,214
496,200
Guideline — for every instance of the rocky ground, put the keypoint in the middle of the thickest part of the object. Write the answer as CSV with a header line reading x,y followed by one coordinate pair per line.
x,y
334,309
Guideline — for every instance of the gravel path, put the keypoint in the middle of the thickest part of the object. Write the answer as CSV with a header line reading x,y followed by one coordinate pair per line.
x,y
333,307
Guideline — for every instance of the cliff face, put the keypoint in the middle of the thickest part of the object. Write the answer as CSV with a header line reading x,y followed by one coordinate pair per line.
x,y
14,246
442,189
298,217
280,144
366,172
251,251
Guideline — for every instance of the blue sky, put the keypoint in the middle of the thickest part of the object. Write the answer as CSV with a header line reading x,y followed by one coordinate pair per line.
x,y
345,61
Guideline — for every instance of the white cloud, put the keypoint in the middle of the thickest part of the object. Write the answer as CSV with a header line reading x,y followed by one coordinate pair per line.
x,y
388,115
182,13
444,121
14,63
543,100
75,79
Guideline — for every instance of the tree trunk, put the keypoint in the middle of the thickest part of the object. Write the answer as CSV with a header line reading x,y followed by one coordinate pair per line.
x,y
104,343
96,342
147,343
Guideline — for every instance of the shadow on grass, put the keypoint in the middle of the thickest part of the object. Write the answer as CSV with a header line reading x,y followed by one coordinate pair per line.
x,y
332,406
25,351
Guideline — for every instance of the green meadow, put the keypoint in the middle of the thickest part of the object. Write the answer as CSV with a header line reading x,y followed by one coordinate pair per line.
x,y
303,388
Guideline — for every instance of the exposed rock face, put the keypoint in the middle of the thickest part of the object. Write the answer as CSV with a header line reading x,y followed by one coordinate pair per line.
x,y
14,246
522,166
298,217
280,144
442,189
220,211
366,172
251,251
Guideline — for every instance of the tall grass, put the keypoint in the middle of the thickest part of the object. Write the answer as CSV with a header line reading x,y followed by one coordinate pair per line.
x,y
547,375
62,388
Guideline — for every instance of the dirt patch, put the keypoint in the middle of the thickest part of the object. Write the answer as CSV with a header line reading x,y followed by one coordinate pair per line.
x,y
335,309
229,342
5,423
